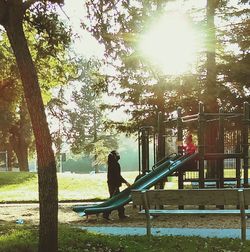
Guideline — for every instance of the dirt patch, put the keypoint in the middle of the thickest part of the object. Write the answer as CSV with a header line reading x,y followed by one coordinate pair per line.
x,y
29,213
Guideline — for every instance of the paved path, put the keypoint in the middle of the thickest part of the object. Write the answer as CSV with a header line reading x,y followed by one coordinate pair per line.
x,y
202,232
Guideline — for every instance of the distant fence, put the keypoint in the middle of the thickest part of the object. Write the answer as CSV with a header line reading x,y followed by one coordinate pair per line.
x,y
3,161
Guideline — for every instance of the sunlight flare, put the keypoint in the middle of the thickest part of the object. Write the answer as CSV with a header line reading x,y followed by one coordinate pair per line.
x,y
171,44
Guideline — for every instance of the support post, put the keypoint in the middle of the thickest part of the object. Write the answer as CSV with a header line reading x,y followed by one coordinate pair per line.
x,y
146,207
160,144
238,162
242,214
161,138
220,163
145,150
139,151
201,146
179,141
245,142
180,150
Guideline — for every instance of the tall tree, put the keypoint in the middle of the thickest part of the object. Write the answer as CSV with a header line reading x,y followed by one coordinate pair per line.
x,y
136,80
54,67
143,89
9,92
82,123
234,56
21,136
211,94
133,80
12,17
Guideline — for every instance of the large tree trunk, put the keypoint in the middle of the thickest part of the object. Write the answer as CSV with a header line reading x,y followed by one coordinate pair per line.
x,y
21,150
24,138
19,139
10,157
22,157
48,188
212,91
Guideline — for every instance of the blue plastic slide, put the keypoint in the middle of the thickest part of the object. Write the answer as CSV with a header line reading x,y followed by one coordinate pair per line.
x,y
161,170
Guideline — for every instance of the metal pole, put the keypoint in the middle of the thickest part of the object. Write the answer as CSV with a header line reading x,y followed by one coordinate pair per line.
x,y
145,151
161,139
139,150
245,142
179,131
180,151
220,163
201,147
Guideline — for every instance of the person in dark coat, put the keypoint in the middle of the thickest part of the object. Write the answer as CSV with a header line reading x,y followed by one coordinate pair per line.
x,y
115,180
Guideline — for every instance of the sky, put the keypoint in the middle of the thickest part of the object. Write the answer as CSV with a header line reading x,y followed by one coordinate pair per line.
x,y
74,12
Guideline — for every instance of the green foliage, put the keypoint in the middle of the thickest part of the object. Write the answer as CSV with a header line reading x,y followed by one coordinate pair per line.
x,y
18,239
82,123
80,165
100,152
24,238
142,88
49,40
233,57
9,90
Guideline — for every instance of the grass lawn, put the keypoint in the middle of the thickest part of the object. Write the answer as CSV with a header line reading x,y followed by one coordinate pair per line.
x,y
16,186
23,186
25,239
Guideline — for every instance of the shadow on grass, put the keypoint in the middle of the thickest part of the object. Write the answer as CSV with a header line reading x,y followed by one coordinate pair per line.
x,y
13,178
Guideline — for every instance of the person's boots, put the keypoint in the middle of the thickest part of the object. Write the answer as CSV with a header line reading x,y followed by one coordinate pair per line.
x,y
122,217
121,213
106,216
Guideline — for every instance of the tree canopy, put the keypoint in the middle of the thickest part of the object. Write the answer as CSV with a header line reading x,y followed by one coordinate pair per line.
x,y
143,88
14,14
54,66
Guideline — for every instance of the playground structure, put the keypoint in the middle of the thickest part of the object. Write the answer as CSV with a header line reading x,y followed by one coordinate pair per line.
x,y
161,170
222,147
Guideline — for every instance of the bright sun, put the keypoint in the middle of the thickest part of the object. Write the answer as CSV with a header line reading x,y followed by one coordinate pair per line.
x,y
171,44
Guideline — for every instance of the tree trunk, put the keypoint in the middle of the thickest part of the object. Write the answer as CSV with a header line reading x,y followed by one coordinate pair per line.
x,y
24,138
212,91
211,94
18,143
10,157
21,151
48,188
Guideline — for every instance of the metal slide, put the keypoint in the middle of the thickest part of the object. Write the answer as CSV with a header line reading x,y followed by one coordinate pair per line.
x,y
162,170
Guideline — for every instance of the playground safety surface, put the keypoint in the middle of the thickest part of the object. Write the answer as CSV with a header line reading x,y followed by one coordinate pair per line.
x,y
202,232
205,226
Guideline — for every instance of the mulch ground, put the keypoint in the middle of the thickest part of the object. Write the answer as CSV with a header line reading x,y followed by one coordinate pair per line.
x,y
29,213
